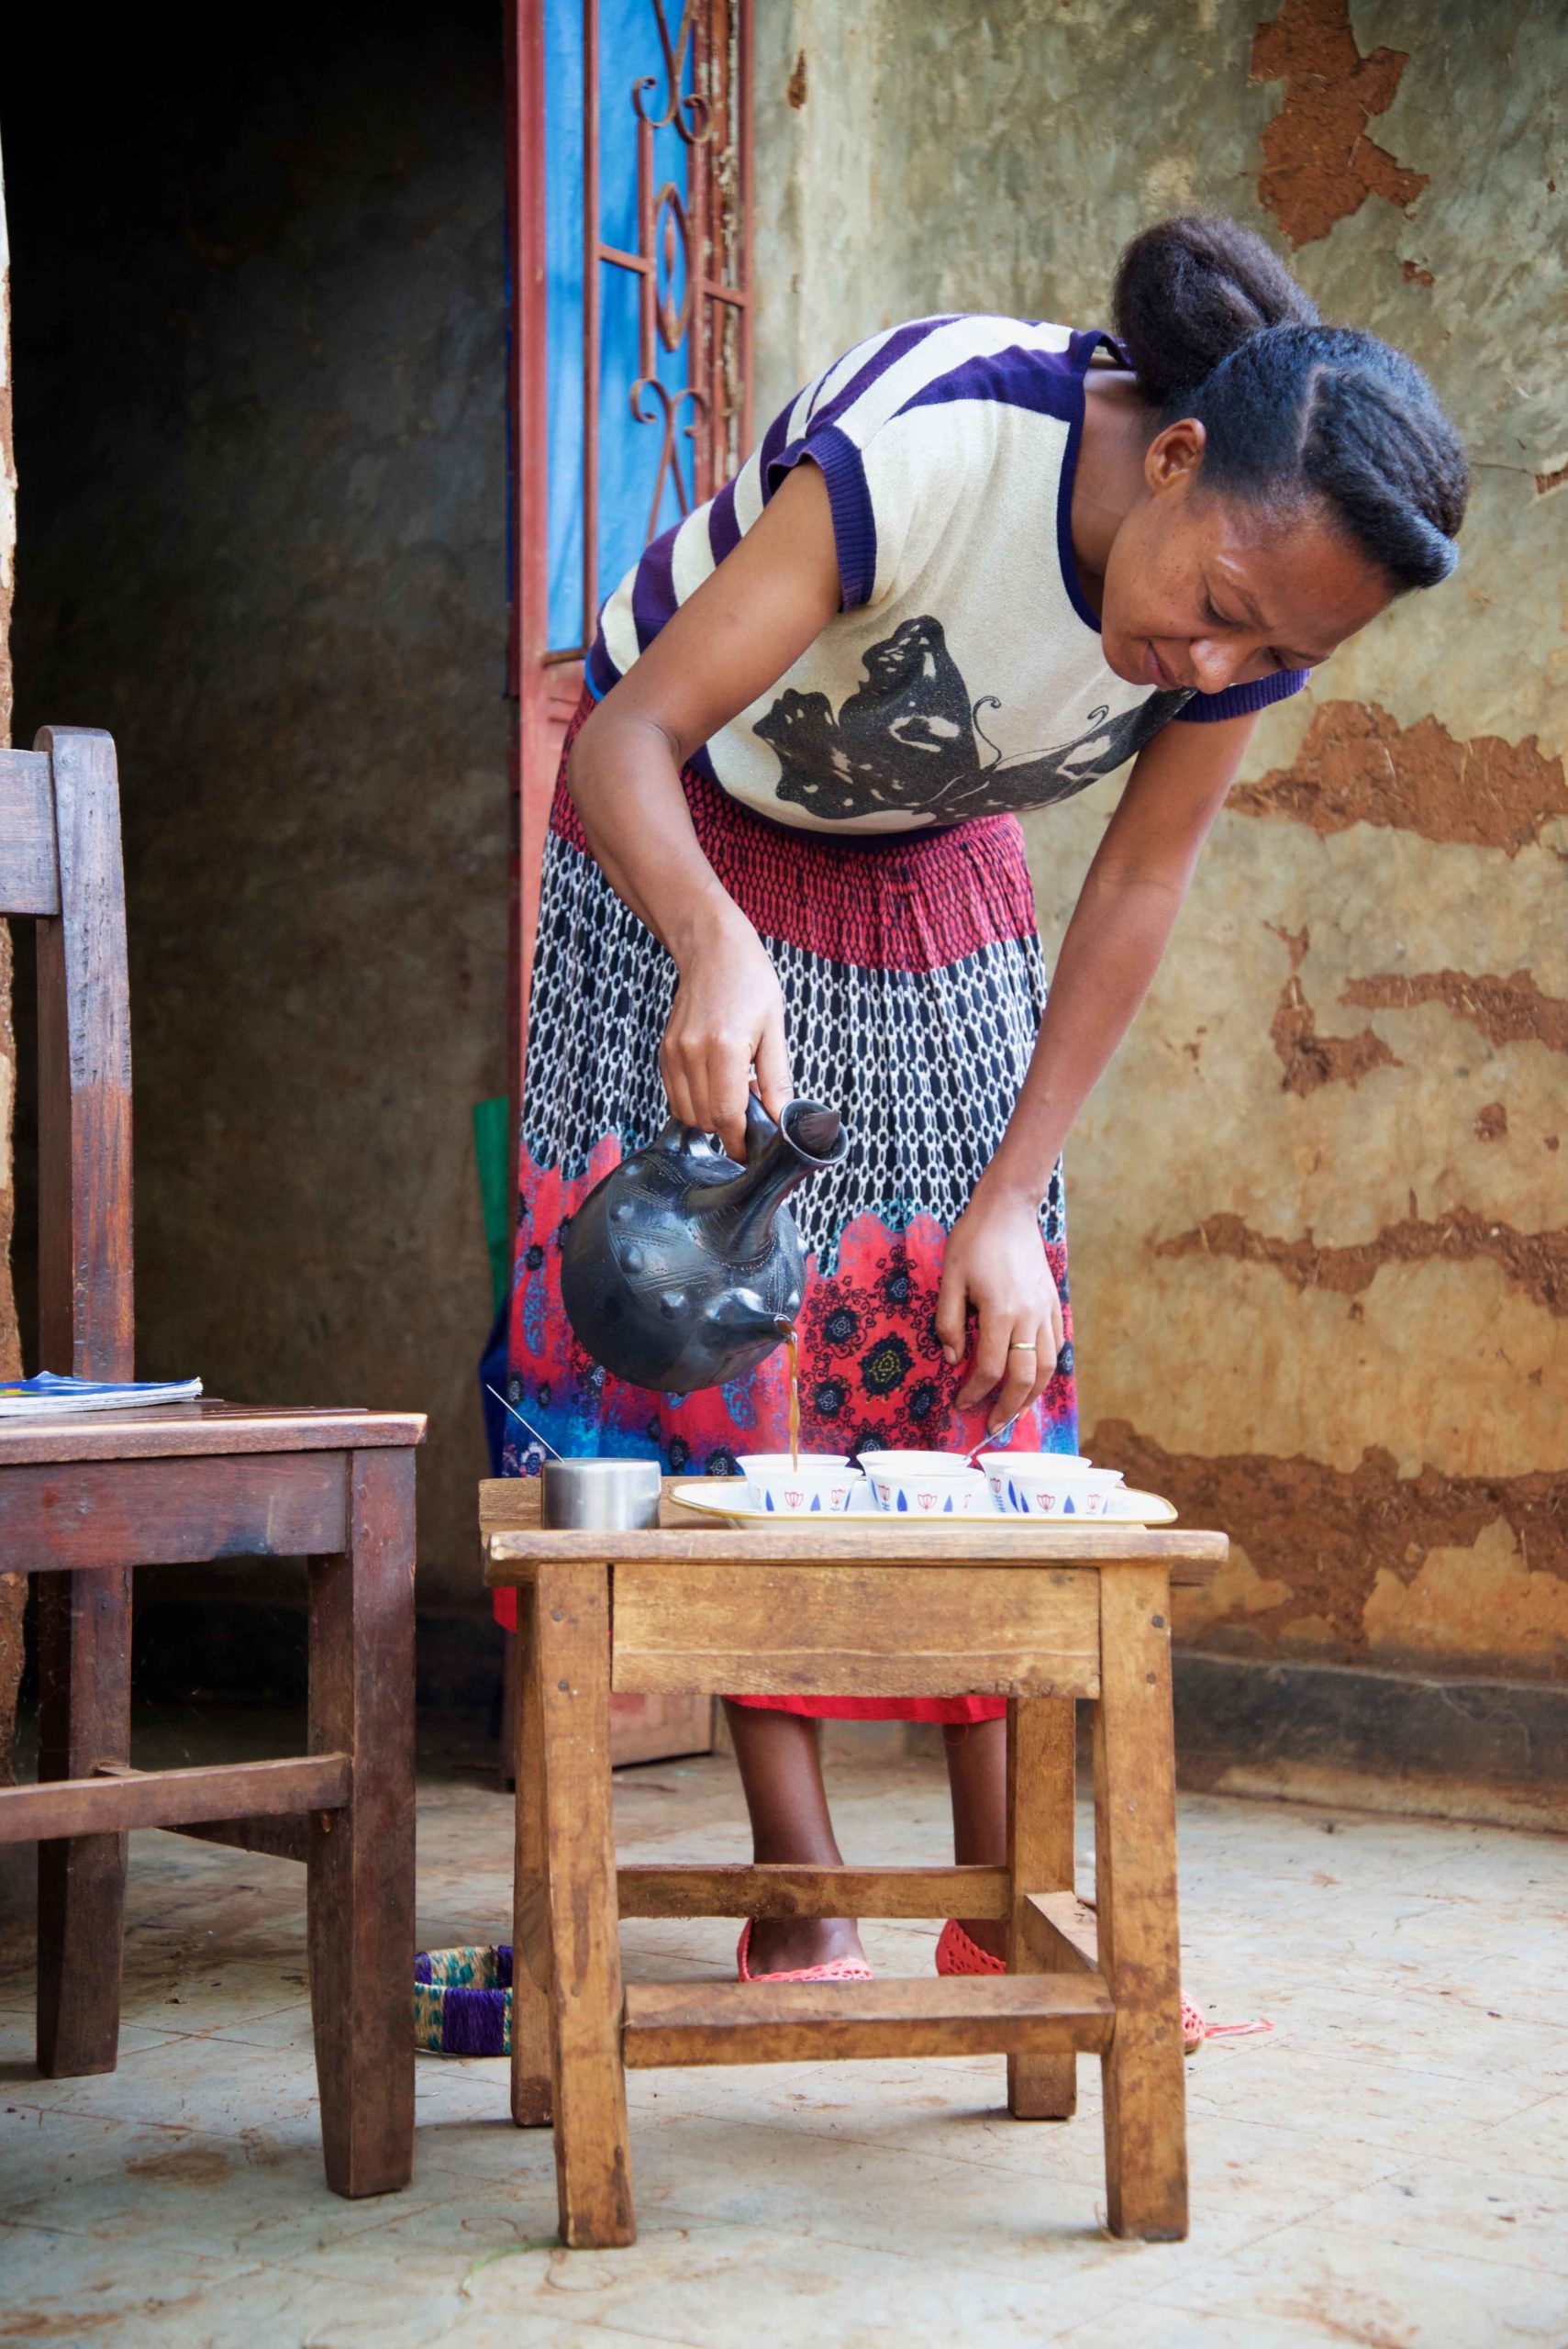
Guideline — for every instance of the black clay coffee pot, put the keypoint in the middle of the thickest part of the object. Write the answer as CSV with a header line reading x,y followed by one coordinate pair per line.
x,y
683,1270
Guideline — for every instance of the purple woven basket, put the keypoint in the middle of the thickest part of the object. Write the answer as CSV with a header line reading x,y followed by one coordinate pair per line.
x,y
463,2001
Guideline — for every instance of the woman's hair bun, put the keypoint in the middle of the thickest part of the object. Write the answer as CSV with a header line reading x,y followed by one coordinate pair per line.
x,y
1215,329
1188,291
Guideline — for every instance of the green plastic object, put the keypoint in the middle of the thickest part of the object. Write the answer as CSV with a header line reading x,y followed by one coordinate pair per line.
x,y
493,1151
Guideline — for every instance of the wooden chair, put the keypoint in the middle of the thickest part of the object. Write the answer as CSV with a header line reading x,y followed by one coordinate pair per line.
x,y
1042,1614
84,1499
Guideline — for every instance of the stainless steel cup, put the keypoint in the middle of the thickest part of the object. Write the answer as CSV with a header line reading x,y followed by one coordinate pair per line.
x,y
620,1496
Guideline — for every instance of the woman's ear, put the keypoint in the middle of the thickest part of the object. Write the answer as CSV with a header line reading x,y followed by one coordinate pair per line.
x,y
1175,455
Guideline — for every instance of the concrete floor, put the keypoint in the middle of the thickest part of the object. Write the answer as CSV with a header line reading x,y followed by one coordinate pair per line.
x,y
1390,2168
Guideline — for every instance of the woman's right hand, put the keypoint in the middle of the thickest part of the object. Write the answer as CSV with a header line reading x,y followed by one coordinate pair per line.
x,y
728,1018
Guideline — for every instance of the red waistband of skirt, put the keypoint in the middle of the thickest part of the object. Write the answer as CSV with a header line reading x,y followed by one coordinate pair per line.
x,y
914,903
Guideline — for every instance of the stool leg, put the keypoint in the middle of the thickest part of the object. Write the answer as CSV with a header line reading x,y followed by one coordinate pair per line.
x,y
530,1922
571,1685
1135,1884
1040,1857
84,1719
360,1869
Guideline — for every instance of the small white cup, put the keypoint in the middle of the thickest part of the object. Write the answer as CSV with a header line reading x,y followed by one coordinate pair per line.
x,y
926,1483
1050,1484
822,1485
912,1461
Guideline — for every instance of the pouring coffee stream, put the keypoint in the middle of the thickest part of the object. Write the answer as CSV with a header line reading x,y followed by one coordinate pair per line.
x,y
792,1340
683,1270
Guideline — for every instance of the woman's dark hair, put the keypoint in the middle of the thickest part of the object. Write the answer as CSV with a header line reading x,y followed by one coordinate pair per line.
x,y
1216,327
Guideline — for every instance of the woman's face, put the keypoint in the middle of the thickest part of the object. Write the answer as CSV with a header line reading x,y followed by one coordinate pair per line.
x,y
1203,590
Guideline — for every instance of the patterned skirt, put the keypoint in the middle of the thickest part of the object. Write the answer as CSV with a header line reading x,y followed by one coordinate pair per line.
x,y
913,984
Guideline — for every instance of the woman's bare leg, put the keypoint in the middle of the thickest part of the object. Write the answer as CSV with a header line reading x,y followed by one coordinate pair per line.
x,y
781,1771
977,1779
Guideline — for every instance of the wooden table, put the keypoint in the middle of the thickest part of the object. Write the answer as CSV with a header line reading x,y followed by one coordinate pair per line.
x,y
1044,1615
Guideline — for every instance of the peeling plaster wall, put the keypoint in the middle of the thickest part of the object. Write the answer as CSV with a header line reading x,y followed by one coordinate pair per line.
x,y
259,287
1327,1307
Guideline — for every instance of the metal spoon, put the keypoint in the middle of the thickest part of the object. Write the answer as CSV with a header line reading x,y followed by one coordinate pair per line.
x,y
995,1440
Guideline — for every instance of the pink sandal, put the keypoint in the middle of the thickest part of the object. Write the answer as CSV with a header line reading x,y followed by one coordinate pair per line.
x,y
959,1953
835,1969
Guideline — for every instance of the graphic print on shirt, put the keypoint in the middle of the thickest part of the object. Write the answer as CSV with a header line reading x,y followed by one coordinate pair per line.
x,y
910,741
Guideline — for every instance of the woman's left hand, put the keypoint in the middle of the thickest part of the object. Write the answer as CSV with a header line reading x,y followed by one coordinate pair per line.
x,y
996,1263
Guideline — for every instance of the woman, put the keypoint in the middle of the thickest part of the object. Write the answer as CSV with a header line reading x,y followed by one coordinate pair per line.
x,y
976,566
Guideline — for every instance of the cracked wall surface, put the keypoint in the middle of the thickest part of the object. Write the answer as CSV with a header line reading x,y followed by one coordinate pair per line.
x,y
1319,1232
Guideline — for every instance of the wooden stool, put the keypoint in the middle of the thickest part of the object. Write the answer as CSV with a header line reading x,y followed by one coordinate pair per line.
x,y
1042,1614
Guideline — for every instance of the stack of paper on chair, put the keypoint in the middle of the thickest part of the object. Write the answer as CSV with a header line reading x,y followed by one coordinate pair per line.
x,y
47,1395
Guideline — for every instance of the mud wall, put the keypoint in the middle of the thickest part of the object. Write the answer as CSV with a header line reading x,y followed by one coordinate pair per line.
x,y
258,291
1318,1238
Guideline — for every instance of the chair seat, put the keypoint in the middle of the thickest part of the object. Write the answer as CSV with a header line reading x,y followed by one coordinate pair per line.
x,y
167,1430
185,1484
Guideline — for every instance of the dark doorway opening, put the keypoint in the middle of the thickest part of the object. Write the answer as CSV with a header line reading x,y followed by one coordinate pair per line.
x,y
258,281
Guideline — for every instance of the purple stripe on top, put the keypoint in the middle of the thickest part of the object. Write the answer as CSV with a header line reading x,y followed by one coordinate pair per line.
x,y
723,525
886,355
1242,701
653,596
854,522
774,443
1020,376
599,671
775,458
1080,352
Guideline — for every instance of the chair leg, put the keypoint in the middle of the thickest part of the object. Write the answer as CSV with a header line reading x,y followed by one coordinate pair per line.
x,y
1041,1787
569,1687
361,1867
530,1922
1135,1883
85,1719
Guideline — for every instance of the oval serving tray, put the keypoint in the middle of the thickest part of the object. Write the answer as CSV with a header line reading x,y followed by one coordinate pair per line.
x,y
725,1496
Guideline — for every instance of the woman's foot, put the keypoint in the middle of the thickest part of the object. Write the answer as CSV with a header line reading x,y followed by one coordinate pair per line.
x,y
988,1933
780,1770
785,1944
959,1951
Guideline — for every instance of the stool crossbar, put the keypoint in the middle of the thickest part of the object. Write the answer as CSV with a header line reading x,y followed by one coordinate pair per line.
x,y
1046,1615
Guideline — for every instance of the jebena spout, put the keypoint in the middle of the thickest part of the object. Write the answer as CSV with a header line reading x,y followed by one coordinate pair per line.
x,y
808,1138
681,1269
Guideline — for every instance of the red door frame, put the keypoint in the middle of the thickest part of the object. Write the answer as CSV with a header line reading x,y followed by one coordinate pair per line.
x,y
700,246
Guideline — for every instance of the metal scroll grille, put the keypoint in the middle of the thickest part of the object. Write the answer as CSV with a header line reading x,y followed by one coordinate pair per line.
x,y
645,297
631,326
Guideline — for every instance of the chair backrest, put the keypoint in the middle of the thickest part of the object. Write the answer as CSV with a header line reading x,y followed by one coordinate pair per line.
x,y
59,861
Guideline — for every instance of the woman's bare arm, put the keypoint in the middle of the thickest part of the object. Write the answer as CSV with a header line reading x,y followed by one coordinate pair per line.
x,y
728,642
1120,926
